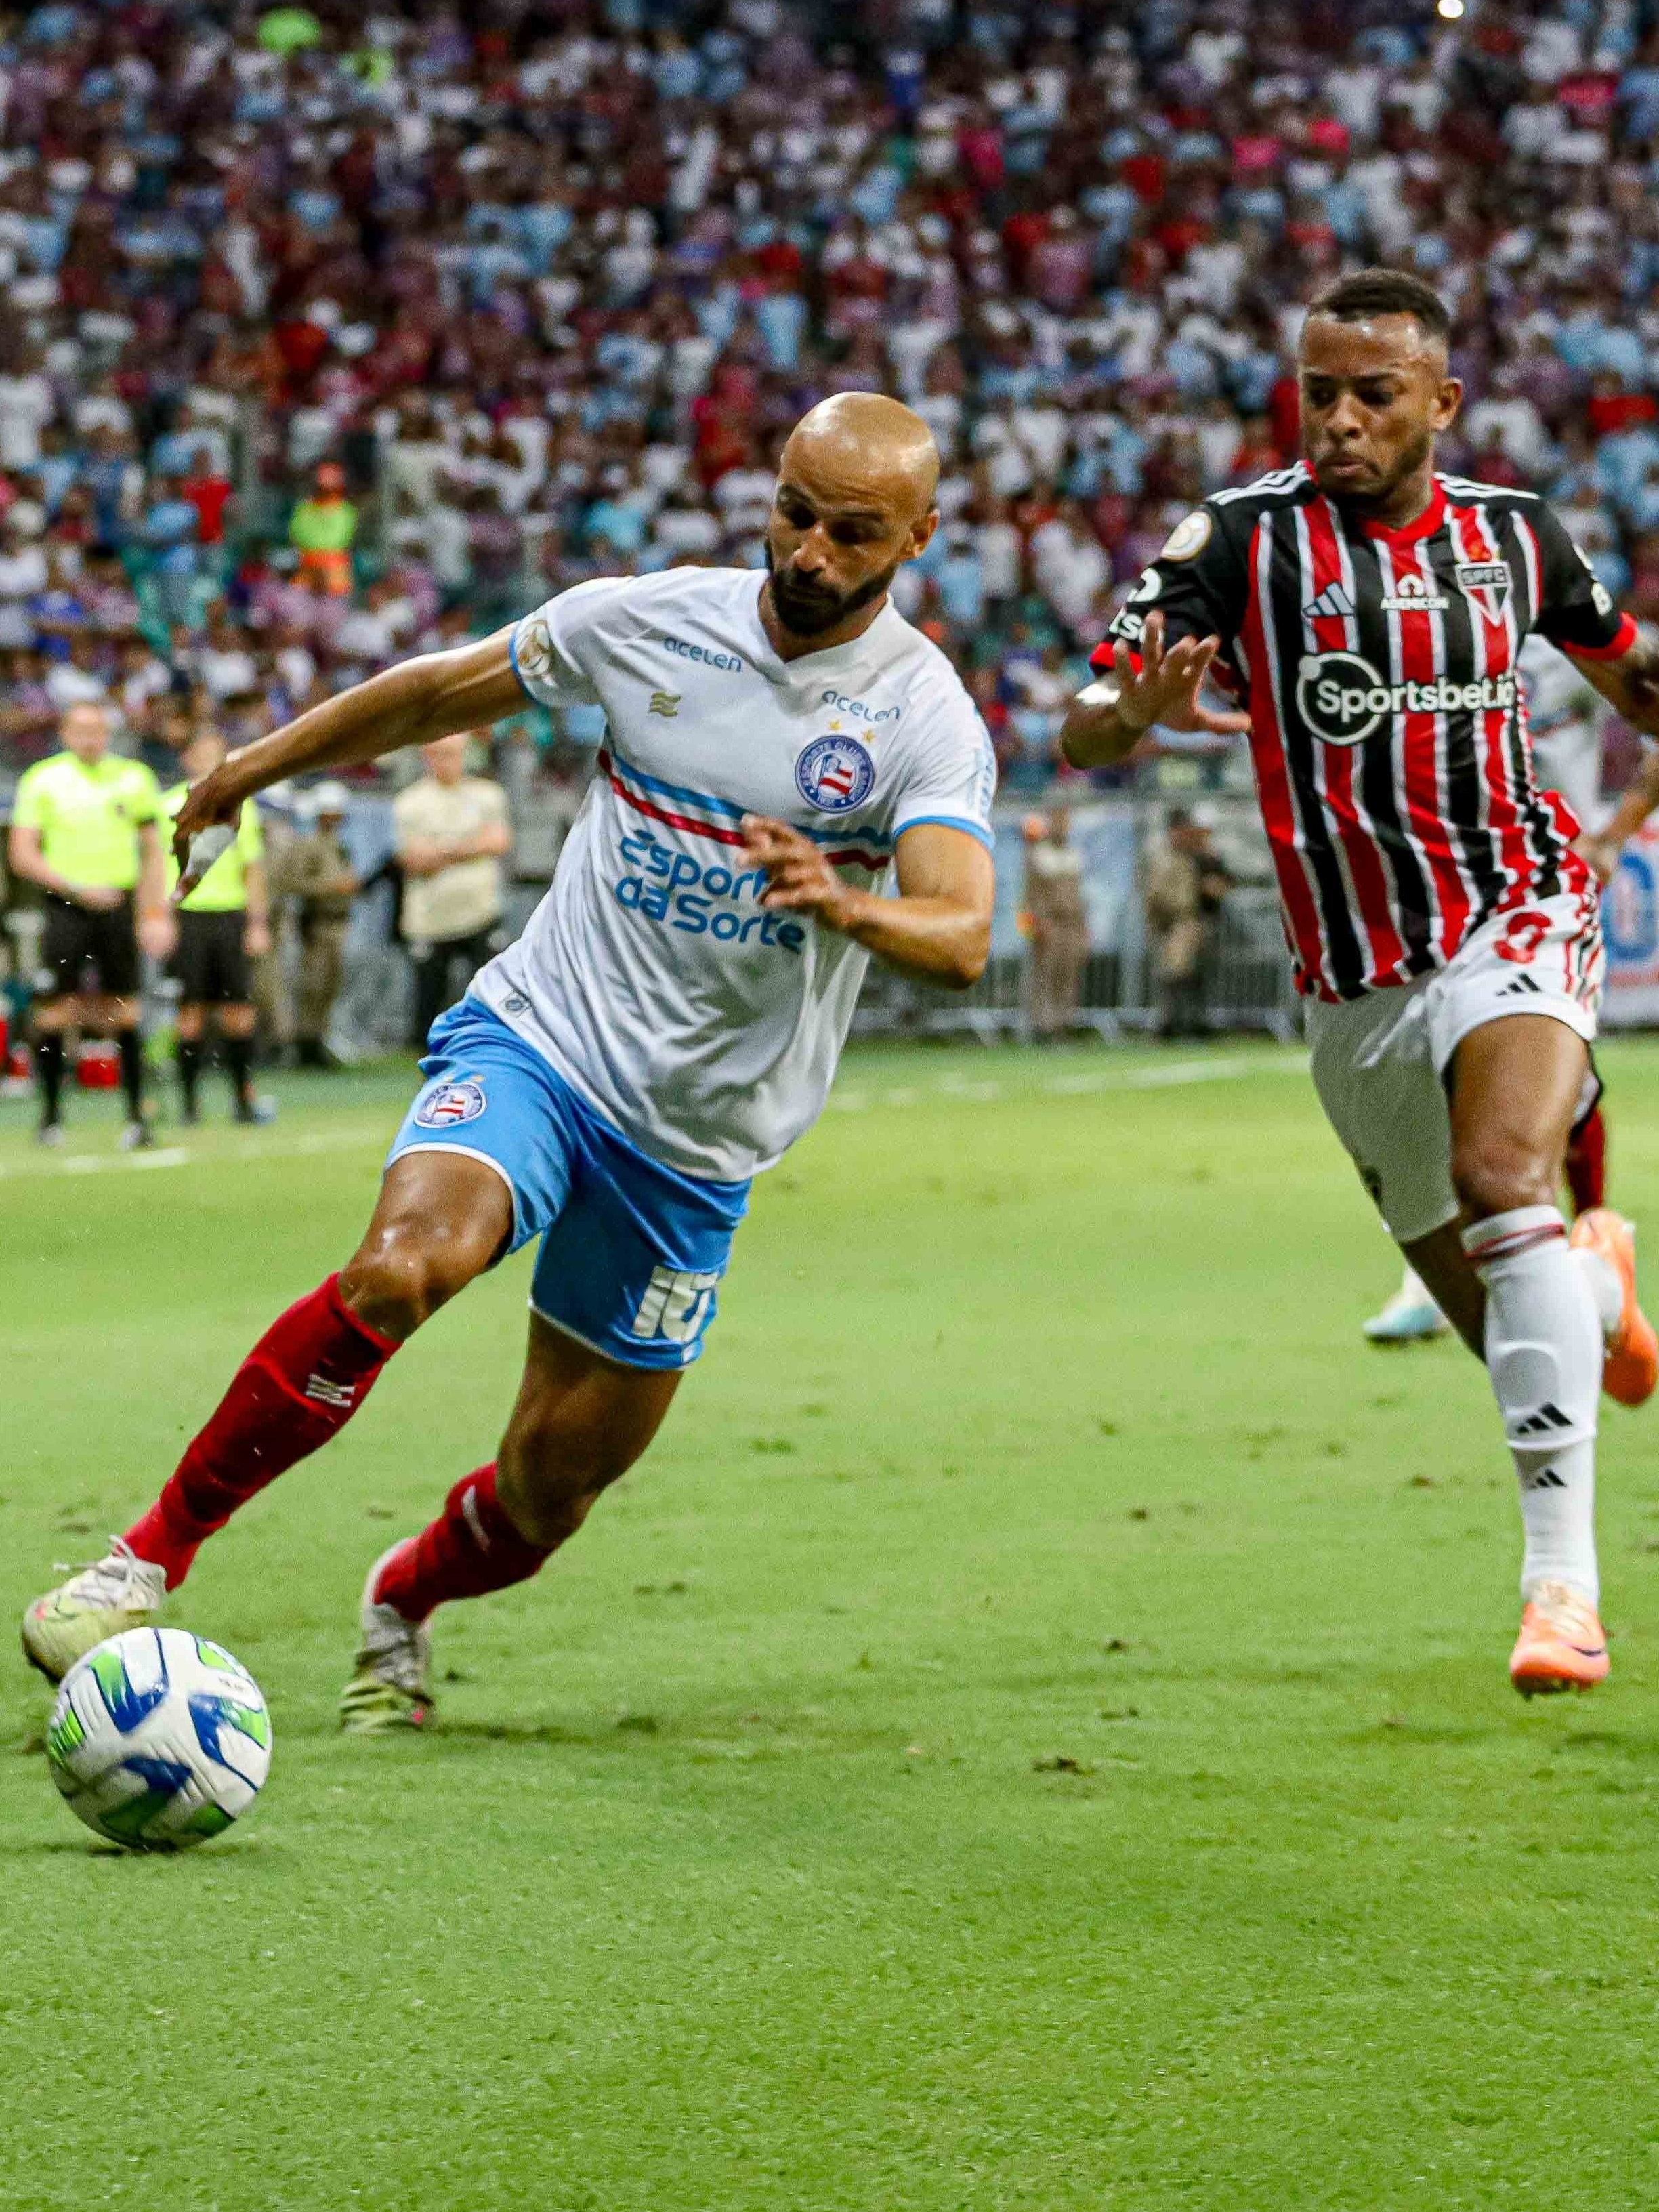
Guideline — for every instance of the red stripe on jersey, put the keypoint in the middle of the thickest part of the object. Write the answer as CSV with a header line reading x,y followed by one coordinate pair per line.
x,y
1620,646
1273,782
1575,871
1497,649
1426,805
1343,764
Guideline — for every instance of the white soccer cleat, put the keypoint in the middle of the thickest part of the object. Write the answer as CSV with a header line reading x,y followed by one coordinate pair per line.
x,y
116,1593
389,1689
1411,1317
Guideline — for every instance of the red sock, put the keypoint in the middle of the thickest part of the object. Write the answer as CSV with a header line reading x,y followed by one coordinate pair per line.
x,y
470,1549
1586,1162
299,1386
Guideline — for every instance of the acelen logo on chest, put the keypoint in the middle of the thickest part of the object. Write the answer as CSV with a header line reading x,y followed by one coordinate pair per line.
x,y
676,891
710,656
1342,699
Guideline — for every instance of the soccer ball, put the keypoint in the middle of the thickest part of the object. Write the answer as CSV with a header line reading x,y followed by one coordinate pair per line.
x,y
159,1738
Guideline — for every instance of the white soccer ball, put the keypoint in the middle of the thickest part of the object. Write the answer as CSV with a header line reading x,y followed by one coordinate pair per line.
x,y
159,1738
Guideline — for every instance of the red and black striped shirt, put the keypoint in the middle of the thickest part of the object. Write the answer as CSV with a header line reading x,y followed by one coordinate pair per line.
x,y
1388,724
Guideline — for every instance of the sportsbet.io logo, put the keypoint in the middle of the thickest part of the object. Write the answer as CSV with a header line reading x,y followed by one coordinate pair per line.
x,y
1342,699
834,772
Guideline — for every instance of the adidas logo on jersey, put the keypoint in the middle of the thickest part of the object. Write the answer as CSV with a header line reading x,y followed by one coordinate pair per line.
x,y
1333,603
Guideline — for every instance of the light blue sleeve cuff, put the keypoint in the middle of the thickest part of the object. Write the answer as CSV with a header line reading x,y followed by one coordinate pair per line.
x,y
950,822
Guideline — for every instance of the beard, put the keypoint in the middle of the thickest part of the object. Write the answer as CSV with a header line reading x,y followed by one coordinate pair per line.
x,y
808,610
1377,497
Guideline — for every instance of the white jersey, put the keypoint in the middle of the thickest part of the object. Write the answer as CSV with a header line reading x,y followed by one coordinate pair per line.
x,y
705,1026
1567,718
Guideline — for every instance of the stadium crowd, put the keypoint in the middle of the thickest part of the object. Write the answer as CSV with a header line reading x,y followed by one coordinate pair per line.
x,y
326,334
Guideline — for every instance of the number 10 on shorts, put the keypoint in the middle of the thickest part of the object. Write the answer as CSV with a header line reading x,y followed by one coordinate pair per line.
x,y
675,1306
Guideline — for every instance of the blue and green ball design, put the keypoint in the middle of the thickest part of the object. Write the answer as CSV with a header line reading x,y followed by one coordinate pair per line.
x,y
159,1738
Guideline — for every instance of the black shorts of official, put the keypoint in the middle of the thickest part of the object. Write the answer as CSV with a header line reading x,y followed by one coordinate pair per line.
x,y
82,951
210,964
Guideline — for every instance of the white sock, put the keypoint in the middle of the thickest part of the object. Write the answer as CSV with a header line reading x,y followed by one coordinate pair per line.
x,y
1413,1286
1544,1347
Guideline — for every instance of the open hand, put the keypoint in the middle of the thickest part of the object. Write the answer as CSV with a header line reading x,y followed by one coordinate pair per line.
x,y
798,877
1167,686
1600,853
216,799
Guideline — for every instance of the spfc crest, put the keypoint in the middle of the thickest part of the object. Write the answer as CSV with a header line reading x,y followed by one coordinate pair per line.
x,y
1487,583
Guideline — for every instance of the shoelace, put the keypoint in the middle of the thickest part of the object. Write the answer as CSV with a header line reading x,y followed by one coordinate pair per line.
x,y
112,1576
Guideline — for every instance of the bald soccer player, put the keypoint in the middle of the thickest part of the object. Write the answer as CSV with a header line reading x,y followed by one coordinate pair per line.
x,y
666,1027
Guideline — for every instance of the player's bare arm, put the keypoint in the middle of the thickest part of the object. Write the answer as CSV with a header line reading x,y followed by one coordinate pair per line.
x,y
1630,685
938,927
158,933
1109,720
432,696
256,937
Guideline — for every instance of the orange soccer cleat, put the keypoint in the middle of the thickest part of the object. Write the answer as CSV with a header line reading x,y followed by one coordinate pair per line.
x,y
1561,1646
1631,1368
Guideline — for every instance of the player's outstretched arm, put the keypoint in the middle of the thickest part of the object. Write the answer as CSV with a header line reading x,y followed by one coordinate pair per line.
x,y
1109,720
432,696
938,928
1630,685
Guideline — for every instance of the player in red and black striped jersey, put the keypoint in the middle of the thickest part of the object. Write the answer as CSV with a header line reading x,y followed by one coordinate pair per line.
x,y
1367,615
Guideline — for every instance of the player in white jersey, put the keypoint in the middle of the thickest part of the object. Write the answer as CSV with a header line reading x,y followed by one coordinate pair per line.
x,y
667,1025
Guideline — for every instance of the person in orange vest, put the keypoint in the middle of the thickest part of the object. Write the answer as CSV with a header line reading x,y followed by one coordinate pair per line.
x,y
321,529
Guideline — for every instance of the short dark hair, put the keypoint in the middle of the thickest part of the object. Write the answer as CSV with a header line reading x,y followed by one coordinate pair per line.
x,y
1384,291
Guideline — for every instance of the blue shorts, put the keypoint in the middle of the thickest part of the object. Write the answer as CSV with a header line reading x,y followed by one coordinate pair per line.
x,y
631,1252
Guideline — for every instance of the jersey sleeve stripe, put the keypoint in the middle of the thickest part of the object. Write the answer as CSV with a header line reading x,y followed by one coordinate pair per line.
x,y
1618,647
950,822
512,655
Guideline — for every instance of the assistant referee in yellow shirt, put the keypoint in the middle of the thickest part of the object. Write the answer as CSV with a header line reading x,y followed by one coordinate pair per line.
x,y
223,923
83,828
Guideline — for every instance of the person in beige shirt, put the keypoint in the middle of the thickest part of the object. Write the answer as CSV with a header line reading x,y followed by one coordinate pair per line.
x,y
451,833
1186,885
1059,923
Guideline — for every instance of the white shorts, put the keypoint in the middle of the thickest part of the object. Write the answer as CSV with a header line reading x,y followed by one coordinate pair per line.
x,y
1379,1062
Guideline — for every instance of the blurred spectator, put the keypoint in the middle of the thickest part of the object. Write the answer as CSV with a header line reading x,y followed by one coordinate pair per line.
x,y
451,833
318,876
321,530
1186,885
548,285
1053,903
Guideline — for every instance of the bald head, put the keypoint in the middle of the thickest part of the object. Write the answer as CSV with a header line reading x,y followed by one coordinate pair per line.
x,y
870,444
854,501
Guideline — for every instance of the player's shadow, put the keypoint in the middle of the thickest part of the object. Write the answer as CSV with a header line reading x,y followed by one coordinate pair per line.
x,y
468,1735
93,1847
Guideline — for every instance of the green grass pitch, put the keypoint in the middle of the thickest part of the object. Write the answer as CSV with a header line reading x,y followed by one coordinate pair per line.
x,y
1034,1733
